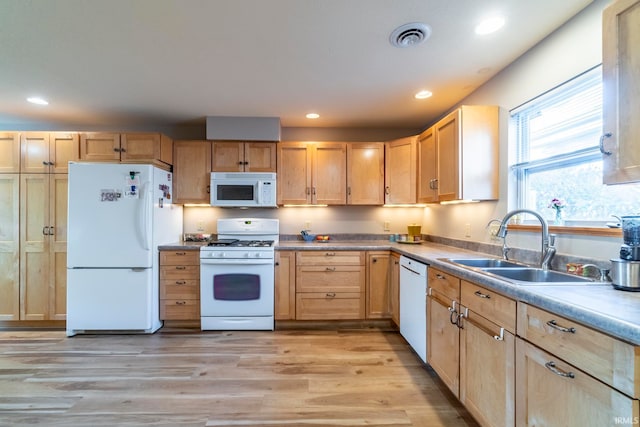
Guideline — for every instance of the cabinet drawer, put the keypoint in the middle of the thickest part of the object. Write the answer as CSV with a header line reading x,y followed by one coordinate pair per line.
x,y
179,309
330,279
179,258
493,306
610,360
177,272
180,289
329,258
444,283
329,306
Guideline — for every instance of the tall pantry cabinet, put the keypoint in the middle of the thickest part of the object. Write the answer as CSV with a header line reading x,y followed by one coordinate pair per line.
x,y
34,209
9,226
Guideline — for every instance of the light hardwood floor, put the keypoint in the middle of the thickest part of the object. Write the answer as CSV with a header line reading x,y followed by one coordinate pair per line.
x,y
172,378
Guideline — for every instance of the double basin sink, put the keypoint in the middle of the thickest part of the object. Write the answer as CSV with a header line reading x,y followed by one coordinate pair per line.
x,y
522,274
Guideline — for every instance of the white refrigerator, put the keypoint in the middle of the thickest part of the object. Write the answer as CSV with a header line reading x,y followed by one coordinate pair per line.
x,y
118,215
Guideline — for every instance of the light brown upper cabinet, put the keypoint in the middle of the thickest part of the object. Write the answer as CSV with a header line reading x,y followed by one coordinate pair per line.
x,y
234,156
192,171
400,171
127,147
43,152
312,173
365,173
621,89
9,152
465,146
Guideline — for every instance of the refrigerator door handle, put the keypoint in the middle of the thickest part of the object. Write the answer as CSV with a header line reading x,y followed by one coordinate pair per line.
x,y
144,215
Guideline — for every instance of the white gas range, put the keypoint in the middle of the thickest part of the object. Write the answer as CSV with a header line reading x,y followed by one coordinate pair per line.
x,y
237,275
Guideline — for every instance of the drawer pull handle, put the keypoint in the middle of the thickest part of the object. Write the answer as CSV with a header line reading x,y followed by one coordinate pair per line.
x,y
181,282
330,269
440,276
481,295
329,254
554,325
330,294
181,253
181,302
552,367
181,267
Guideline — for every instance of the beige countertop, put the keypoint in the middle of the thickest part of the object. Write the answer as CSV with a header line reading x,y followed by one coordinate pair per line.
x,y
599,306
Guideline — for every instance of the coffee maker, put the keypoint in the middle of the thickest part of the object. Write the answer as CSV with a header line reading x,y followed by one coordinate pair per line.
x,y
625,272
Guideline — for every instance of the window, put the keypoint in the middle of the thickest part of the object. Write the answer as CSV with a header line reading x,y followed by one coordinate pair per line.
x,y
557,155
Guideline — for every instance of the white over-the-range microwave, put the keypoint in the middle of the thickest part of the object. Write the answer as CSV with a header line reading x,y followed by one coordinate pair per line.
x,y
243,189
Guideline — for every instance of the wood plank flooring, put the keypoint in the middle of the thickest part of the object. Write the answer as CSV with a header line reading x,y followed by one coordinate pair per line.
x,y
176,378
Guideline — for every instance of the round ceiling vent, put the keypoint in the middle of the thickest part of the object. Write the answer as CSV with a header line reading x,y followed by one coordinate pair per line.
x,y
411,34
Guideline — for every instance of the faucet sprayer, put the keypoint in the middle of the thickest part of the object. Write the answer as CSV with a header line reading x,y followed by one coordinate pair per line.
x,y
547,249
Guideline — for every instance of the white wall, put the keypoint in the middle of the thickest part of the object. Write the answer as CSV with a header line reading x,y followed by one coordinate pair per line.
x,y
571,50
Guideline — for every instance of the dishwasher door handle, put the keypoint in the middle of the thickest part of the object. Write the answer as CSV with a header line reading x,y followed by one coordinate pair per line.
x,y
412,271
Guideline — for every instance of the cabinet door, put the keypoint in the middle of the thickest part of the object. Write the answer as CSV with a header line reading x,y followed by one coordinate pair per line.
x,y
551,392
260,156
487,371
34,246
34,148
57,235
443,339
621,90
365,173
192,171
427,167
285,283
330,174
294,173
64,147
97,146
448,148
227,156
377,289
137,147
9,152
400,171
394,297
9,246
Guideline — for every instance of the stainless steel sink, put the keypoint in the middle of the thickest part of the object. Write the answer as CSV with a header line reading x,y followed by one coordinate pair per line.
x,y
486,263
538,276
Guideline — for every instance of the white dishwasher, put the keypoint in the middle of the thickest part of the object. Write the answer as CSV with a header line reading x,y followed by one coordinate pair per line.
x,y
413,305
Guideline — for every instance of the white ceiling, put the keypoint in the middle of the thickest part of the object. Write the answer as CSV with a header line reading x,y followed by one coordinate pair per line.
x,y
173,62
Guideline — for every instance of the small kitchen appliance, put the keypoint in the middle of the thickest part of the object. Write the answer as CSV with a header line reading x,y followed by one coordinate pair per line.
x,y
237,275
625,271
243,189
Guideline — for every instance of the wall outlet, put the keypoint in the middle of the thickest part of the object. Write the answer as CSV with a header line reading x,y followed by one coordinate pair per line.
x,y
307,225
386,226
467,230
200,226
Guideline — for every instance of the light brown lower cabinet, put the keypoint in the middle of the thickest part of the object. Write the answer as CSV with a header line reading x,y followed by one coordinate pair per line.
x,y
179,285
443,340
330,285
552,392
377,289
394,288
285,285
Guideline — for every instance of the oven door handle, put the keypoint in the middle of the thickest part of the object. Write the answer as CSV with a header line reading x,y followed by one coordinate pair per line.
x,y
231,261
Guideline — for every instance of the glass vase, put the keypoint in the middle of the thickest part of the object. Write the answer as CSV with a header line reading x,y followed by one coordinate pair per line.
x,y
559,219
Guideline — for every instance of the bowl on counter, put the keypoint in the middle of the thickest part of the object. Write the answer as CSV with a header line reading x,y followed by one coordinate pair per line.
x,y
309,237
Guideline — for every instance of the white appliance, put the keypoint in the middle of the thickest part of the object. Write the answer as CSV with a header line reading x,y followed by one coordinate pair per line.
x,y
413,305
237,275
243,189
118,215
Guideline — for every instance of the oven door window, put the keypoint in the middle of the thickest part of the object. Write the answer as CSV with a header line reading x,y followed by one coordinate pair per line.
x,y
236,287
231,192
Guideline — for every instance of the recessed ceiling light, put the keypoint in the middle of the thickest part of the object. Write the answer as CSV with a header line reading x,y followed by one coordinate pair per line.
x,y
37,100
490,25
313,116
423,94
